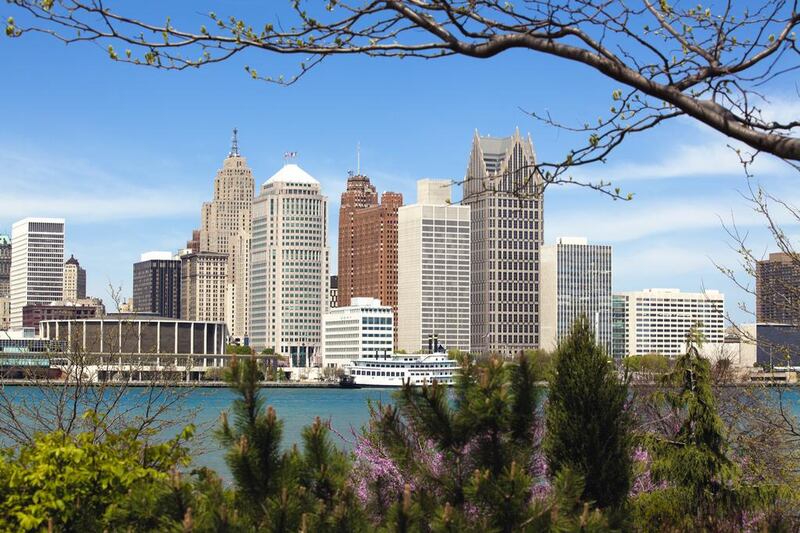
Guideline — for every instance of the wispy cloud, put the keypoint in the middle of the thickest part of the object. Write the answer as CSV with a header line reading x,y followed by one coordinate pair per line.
x,y
41,184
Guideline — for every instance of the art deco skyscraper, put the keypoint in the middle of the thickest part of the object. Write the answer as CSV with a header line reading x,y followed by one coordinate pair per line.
x,y
74,280
225,228
289,266
368,244
5,265
503,189
37,264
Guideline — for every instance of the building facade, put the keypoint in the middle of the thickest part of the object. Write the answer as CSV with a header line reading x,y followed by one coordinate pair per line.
x,y
434,270
5,265
575,281
362,329
659,320
334,292
225,228
33,314
619,326
5,314
203,286
289,274
157,285
504,191
368,243
74,280
37,264
778,290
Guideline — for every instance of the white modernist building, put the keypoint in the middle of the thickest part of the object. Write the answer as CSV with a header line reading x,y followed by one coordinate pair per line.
x,y
365,328
433,270
37,264
659,320
289,273
575,282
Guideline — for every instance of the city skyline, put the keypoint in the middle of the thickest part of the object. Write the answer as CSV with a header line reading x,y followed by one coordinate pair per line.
x,y
139,188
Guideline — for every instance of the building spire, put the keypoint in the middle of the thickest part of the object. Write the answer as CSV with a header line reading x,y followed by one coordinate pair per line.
x,y
234,144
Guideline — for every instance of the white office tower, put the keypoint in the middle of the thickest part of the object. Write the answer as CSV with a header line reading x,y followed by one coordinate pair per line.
x,y
659,320
433,270
225,228
504,190
37,264
575,281
289,266
365,328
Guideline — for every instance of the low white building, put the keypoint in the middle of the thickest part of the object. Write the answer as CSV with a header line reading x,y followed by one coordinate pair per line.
x,y
362,329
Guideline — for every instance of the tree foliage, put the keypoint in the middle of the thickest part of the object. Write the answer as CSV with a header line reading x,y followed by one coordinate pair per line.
x,y
588,426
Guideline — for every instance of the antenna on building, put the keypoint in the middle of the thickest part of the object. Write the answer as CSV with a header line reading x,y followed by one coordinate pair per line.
x,y
234,144
358,158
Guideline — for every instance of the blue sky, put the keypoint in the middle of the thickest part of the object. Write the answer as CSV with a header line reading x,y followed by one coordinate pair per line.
x,y
127,155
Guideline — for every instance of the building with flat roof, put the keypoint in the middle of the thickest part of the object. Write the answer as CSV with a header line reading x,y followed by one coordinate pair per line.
x,y
504,190
33,314
575,282
778,289
157,285
660,320
289,273
362,329
433,270
203,286
37,264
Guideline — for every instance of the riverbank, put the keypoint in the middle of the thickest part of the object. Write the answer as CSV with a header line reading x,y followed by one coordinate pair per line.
x,y
190,384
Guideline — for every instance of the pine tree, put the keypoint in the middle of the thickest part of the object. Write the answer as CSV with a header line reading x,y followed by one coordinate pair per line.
x,y
588,427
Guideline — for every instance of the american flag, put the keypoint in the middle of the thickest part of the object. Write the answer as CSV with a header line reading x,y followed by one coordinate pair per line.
x,y
289,155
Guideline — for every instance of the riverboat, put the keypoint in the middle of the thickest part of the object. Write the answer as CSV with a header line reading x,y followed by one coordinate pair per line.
x,y
395,370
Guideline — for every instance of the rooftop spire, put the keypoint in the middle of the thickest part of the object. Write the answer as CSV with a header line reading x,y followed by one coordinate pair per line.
x,y
234,144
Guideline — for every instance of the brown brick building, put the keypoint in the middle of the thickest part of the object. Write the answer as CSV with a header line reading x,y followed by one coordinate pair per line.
x,y
778,290
368,244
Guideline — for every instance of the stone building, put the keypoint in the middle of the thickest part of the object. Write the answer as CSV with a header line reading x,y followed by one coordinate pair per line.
x,y
203,286
74,280
778,290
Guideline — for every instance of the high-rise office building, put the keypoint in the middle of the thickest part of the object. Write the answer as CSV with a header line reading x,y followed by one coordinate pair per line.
x,y
74,280
575,281
660,320
362,329
778,290
434,270
37,264
504,191
157,285
5,265
203,286
289,274
225,228
619,326
368,243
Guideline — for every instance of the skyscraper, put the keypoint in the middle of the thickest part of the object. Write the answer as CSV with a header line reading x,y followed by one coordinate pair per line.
x,y
433,270
225,228
37,264
203,286
575,281
368,243
157,285
5,265
74,280
289,266
504,190
778,290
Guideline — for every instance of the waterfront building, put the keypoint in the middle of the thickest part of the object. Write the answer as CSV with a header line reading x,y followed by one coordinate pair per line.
x,y
225,229
504,191
659,320
778,289
5,265
37,264
334,292
365,328
33,314
157,285
434,270
289,274
619,326
5,313
74,280
124,347
575,281
368,243
203,286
